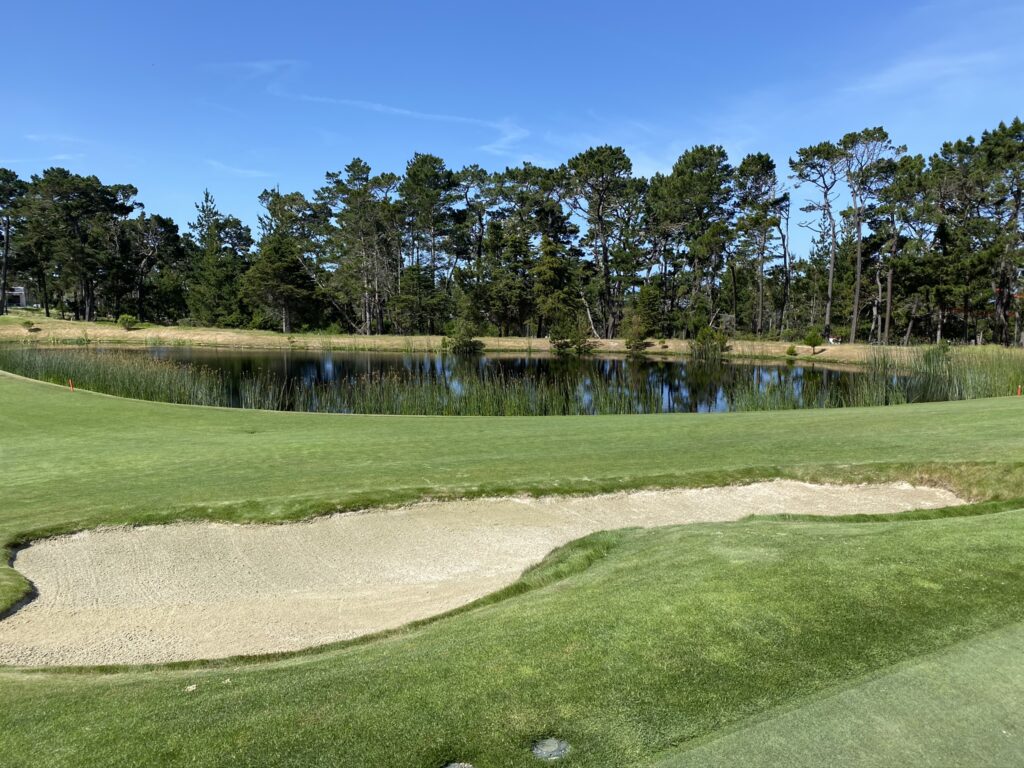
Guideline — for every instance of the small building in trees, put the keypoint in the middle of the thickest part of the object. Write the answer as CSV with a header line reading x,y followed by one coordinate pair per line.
x,y
17,296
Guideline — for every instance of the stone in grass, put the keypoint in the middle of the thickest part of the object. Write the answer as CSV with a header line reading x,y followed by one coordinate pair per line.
x,y
550,749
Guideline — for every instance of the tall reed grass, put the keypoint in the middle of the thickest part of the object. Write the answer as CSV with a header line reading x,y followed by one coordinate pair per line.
x,y
890,376
900,375
121,373
131,374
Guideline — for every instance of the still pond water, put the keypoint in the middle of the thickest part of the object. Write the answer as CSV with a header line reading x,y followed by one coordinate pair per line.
x,y
676,384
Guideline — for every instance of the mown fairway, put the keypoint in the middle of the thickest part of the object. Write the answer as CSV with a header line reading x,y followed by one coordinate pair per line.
x,y
628,644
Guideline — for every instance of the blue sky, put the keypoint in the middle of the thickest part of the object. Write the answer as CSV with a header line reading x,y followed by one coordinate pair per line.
x,y
178,97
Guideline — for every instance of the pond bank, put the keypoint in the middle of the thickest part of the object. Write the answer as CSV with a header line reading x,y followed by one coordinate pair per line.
x,y
56,331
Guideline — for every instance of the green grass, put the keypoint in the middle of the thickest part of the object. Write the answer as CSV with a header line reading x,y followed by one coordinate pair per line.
x,y
75,460
960,706
671,636
139,376
627,643
893,376
890,376
119,373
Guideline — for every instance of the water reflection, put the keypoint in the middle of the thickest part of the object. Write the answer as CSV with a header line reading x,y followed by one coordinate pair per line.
x,y
679,385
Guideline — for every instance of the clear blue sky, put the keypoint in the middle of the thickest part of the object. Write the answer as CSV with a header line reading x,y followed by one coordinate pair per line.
x,y
176,97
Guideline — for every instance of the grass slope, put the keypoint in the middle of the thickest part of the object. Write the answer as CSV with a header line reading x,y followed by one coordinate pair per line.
x,y
671,635
960,706
626,643
72,460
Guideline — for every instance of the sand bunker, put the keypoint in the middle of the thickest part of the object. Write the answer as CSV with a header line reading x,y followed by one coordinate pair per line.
x,y
209,590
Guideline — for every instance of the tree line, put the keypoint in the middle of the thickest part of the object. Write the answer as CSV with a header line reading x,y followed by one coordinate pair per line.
x,y
903,247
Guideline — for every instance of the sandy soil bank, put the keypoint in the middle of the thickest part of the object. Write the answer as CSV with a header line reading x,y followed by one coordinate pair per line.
x,y
208,590
56,331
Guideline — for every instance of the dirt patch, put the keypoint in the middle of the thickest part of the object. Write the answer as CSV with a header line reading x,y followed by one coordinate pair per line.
x,y
208,590
55,331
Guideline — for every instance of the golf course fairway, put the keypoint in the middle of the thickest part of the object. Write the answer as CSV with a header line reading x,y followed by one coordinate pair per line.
x,y
786,640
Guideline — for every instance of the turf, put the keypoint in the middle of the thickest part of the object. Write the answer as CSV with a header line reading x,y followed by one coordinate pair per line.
x,y
960,706
670,636
73,460
627,644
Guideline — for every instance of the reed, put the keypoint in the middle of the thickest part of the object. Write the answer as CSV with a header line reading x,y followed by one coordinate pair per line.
x,y
488,395
130,374
891,376
121,373
900,375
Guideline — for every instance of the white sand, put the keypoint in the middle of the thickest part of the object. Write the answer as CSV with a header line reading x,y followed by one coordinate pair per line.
x,y
209,590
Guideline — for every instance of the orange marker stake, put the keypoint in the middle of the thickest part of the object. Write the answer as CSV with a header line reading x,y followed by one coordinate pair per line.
x,y
71,385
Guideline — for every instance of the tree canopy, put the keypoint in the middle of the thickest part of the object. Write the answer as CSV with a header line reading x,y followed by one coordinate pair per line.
x,y
903,246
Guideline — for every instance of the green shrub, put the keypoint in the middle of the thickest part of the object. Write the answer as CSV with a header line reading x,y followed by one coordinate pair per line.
x,y
571,338
128,322
461,340
637,345
813,340
709,345
635,336
791,351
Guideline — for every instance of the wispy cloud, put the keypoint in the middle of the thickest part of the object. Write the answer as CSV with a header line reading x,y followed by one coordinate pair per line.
x,y
42,162
55,138
928,70
245,173
280,72
264,67
218,107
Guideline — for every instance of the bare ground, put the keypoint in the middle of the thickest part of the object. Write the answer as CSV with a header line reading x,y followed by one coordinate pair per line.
x,y
56,331
208,590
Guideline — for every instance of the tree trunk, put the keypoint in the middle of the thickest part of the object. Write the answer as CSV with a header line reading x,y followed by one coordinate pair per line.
x,y
140,313
87,300
367,327
855,315
735,296
41,277
910,322
3,265
876,309
606,291
590,318
1001,290
888,306
831,272
760,291
967,319
785,277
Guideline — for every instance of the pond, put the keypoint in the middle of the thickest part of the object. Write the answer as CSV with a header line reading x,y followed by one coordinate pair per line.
x,y
379,382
